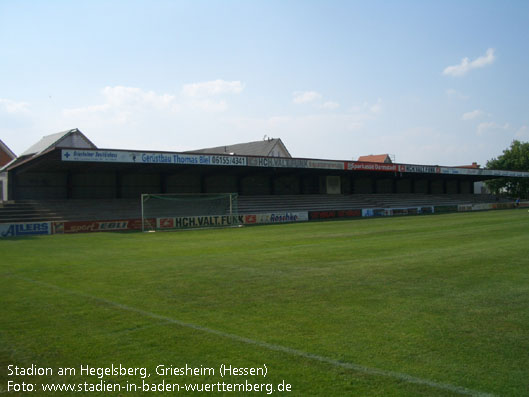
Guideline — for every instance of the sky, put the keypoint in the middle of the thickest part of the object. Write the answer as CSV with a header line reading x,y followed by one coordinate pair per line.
x,y
429,82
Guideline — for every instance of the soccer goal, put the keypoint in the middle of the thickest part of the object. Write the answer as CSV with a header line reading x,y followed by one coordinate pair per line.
x,y
185,211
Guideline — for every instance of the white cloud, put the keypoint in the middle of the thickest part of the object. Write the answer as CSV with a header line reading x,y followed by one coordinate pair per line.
x,y
122,103
209,105
135,97
377,107
472,115
491,127
212,88
305,96
198,96
368,109
466,65
12,107
330,105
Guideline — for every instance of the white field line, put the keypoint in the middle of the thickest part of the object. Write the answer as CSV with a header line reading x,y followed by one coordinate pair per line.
x,y
287,350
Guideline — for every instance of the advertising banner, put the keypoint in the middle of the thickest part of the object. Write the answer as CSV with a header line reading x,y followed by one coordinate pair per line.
x,y
502,206
114,156
481,207
326,164
423,169
277,162
24,229
97,226
250,219
397,211
165,223
363,166
445,208
459,171
376,212
283,217
368,212
118,156
313,215
188,222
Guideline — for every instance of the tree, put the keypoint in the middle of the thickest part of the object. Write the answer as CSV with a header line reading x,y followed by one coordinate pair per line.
x,y
515,158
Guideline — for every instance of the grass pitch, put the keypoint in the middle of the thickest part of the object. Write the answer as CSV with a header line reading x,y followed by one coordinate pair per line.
x,y
412,306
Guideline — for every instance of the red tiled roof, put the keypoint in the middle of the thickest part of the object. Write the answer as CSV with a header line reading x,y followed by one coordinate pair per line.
x,y
474,165
374,158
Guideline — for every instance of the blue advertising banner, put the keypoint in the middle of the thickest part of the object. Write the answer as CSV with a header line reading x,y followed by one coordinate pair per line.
x,y
24,229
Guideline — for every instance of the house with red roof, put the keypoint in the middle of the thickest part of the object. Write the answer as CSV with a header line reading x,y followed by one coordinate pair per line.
x,y
376,158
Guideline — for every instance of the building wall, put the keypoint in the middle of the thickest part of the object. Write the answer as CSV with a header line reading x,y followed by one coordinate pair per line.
x,y
134,185
452,187
421,186
347,187
362,186
465,187
403,186
41,186
289,184
76,140
255,185
384,186
183,183
4,158
220,183
93,186
481,188
437,186
310,184
130,184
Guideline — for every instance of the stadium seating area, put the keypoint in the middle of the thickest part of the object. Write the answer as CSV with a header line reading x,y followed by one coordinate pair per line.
x,y
321,202
71,210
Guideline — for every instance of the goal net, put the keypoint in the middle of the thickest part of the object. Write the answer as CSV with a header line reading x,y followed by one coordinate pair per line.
x,y
184,211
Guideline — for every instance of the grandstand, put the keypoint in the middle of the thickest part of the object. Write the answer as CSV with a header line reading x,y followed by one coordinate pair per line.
x,y
104,209
65,177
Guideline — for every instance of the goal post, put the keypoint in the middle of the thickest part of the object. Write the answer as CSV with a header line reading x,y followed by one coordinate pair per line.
x,y
185,211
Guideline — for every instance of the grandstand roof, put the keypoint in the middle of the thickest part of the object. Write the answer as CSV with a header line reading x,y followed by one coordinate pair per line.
x,y
376,158
271,147
72,150
70,138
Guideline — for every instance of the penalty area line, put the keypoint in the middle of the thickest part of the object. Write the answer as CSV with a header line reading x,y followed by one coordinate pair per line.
x,y
270,346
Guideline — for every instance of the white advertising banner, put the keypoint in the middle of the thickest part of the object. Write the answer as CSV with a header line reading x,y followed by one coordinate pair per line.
x,y
186,222
114,156
118,156
24,229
